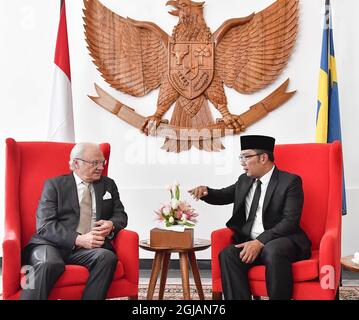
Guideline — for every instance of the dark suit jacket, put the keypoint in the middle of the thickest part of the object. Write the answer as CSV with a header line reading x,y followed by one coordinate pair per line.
x,y
58,213
282,208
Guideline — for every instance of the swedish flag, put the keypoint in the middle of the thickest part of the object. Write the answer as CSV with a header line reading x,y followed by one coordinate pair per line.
x,y
328,114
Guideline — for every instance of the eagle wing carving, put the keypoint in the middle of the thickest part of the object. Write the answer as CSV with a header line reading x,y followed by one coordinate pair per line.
x,y
251,54
131,55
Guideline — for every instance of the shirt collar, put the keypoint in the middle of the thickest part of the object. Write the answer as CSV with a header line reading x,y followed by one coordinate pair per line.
x,y
78,180
265,179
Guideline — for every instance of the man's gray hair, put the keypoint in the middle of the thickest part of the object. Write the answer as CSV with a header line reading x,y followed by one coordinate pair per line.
x,y
78,151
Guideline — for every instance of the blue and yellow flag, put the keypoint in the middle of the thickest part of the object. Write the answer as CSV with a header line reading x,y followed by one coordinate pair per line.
x,y
328,113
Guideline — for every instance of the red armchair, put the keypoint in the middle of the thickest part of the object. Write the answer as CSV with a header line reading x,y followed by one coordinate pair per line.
x,y
28,165
320,166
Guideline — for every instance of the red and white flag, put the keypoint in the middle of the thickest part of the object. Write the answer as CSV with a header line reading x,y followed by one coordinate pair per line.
x,y
61,120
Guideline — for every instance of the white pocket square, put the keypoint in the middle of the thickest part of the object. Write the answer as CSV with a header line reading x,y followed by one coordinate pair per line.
x,y
107,196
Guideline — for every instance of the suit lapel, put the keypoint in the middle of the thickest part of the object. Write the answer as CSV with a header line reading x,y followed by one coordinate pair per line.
x,y
270,189
73,192
243,191
98,187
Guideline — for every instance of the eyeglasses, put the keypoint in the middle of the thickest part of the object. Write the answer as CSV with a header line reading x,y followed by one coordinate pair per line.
x,y
94,163
245,158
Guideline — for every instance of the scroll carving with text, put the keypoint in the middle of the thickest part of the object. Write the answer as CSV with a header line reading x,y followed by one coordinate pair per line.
x,y
191,68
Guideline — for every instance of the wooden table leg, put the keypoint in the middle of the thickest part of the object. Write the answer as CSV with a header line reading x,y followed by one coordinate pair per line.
x,y
156,266
166,259
196,275
185,275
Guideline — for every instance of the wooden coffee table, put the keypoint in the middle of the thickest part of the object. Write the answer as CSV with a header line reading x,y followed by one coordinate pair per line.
x,y
162,258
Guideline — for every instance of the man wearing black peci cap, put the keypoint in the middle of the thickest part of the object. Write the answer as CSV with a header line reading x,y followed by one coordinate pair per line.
x,y
266,215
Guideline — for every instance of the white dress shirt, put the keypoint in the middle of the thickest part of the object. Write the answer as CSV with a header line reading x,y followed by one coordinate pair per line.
x,y
81,186
257,227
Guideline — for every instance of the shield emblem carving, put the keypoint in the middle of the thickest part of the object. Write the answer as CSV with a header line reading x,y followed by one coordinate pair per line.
x,y
191,67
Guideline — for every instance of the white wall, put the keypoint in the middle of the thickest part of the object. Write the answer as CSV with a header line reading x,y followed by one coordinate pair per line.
x,y
140,168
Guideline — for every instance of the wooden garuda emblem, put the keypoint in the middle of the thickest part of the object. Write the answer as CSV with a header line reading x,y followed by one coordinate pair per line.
x,y
191,68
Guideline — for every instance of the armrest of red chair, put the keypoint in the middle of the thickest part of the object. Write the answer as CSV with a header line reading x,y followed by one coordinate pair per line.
x,y
329,257
11,265
126,246
220,239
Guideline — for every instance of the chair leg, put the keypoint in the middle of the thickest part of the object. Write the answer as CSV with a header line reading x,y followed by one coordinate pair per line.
x,y
216,295
133,297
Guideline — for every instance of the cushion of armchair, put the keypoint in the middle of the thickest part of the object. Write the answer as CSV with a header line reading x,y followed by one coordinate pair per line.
x,y
220,239
304,270
78,275
11,263
329,255
127,249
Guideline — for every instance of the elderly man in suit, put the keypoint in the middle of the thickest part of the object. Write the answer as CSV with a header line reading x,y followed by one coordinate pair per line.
x,y
77,216
266,215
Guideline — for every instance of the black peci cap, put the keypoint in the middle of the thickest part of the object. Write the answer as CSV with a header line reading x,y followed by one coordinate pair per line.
x,y
257,142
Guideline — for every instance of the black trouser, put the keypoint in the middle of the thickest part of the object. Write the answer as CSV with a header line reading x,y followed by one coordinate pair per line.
x,y
277,256
49,263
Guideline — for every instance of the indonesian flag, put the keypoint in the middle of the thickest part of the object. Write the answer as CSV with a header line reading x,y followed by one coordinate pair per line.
x,y
61,121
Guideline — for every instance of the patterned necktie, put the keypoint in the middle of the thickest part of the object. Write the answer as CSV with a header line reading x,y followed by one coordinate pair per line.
x,y
247,227
85,211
